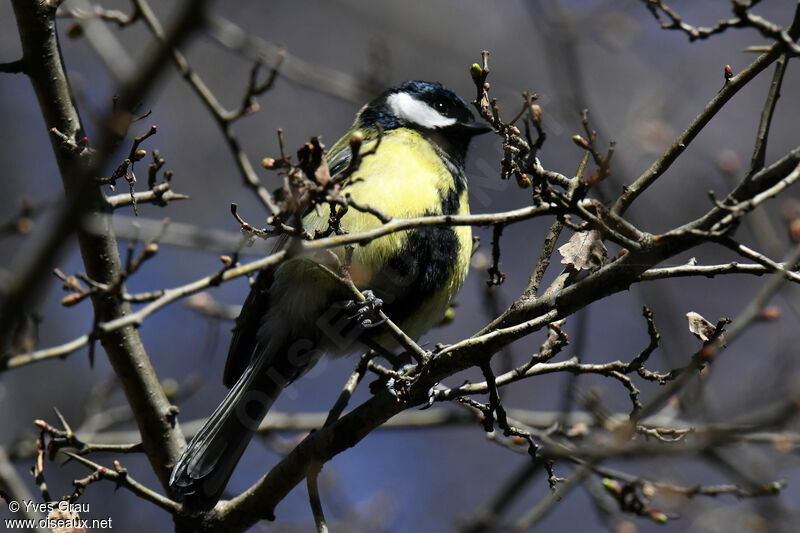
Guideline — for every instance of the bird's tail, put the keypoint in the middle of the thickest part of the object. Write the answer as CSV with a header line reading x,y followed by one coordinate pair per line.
x,y
203,470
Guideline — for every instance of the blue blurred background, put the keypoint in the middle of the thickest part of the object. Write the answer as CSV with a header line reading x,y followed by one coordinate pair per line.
x,y
642,86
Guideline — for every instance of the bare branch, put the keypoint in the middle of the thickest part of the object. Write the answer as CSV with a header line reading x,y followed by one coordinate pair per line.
x,y
121,478
155,417
217,111
662,164
160,195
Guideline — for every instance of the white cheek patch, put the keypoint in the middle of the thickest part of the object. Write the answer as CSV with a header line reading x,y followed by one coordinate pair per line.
x,y
405,106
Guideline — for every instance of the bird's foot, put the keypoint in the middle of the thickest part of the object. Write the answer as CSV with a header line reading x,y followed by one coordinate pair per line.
x,y
366,312
399,383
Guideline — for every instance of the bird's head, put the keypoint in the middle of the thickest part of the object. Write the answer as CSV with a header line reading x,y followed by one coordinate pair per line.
x,y
428,107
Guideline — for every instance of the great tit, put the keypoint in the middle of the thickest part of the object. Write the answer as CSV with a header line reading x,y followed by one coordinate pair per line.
x,y
295,311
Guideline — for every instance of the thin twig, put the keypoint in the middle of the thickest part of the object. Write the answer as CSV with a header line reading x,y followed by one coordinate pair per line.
x,y
315,502
120,476
216,109
733,85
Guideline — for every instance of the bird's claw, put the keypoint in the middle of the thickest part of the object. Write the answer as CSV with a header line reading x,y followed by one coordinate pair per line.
x,y
431,398
395,384
366,311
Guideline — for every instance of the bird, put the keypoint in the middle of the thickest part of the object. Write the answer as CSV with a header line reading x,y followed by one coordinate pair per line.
x,y
418,133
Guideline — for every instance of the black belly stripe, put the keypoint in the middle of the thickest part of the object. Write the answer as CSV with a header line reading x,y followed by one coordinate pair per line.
x,y
423,267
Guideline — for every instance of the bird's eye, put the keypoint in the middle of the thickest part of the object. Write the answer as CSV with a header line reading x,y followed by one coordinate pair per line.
x,y
439,106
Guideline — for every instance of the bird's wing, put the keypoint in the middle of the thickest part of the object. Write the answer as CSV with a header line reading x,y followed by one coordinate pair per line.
x,y
244,341
248,322
338,158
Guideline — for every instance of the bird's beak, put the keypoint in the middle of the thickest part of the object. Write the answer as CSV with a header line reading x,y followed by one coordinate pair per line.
x,y
475,128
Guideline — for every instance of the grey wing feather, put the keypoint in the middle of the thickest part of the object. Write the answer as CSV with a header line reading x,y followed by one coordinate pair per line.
x,y
248,322
244,341
338,161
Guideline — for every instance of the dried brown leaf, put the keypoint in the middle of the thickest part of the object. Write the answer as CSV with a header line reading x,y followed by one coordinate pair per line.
x,y
584,251
700,327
